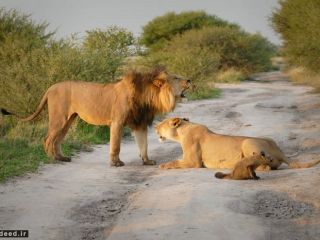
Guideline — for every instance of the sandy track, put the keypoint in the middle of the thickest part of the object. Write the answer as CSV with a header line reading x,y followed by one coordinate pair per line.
x,y
87,199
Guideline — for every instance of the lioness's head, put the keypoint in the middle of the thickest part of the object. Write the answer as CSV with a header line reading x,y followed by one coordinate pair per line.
x,y
168,128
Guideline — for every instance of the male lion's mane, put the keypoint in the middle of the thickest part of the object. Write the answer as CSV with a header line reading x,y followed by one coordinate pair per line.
x,y
147,100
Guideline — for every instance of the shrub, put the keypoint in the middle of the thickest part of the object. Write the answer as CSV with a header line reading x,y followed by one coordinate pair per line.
x,y
297,21
104,52
201,53
163,28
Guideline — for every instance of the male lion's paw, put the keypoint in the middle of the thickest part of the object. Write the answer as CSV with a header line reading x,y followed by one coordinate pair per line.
x,y
63,159
117,164
149,162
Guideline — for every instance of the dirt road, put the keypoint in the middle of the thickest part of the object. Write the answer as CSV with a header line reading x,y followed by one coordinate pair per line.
x,y
87,199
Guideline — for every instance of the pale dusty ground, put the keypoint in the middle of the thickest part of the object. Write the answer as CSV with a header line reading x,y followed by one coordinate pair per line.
x,y
87,199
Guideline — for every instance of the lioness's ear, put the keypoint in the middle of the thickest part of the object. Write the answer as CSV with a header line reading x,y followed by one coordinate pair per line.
x,y
158,82
174,123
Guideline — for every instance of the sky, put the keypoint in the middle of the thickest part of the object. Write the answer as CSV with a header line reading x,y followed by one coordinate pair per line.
x,y
77,16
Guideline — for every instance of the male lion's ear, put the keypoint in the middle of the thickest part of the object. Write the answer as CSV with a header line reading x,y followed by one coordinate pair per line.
x,y
158,82
175,122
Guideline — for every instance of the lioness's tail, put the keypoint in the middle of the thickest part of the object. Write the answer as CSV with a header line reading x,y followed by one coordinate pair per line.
x,y
302,165
33,115
222,175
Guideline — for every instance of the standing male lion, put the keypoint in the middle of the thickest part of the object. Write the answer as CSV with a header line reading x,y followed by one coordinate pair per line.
x,y
132,101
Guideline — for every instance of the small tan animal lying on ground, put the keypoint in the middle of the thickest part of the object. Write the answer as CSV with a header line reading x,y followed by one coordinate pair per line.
x,y
245,169
202,147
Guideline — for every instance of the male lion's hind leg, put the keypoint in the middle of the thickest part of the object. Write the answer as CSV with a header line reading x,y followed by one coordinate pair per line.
x,y
57,131
141,137
52,146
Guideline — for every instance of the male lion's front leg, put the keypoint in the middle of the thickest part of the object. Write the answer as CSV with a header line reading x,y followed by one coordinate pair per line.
x,y
115,141
141,137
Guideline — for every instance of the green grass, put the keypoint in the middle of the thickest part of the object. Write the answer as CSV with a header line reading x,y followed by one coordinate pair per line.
x,y
21,148
88,134
18,157
204,93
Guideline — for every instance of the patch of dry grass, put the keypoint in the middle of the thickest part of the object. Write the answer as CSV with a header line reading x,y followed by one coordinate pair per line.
x,y
301,75
230,75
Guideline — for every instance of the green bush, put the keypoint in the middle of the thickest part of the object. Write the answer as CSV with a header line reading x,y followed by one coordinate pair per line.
x,y
31,60
201,53
162,29
104,53
297,21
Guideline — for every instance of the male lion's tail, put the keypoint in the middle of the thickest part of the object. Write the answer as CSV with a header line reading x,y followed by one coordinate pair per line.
x,y
222,175
302,165
33,115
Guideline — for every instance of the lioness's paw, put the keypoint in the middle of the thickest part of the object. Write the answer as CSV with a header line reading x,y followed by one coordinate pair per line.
x,y
163,166
264,168
149,162
117,164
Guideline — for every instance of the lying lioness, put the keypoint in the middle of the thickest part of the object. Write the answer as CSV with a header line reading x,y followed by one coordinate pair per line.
x,y
245,169
202,147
